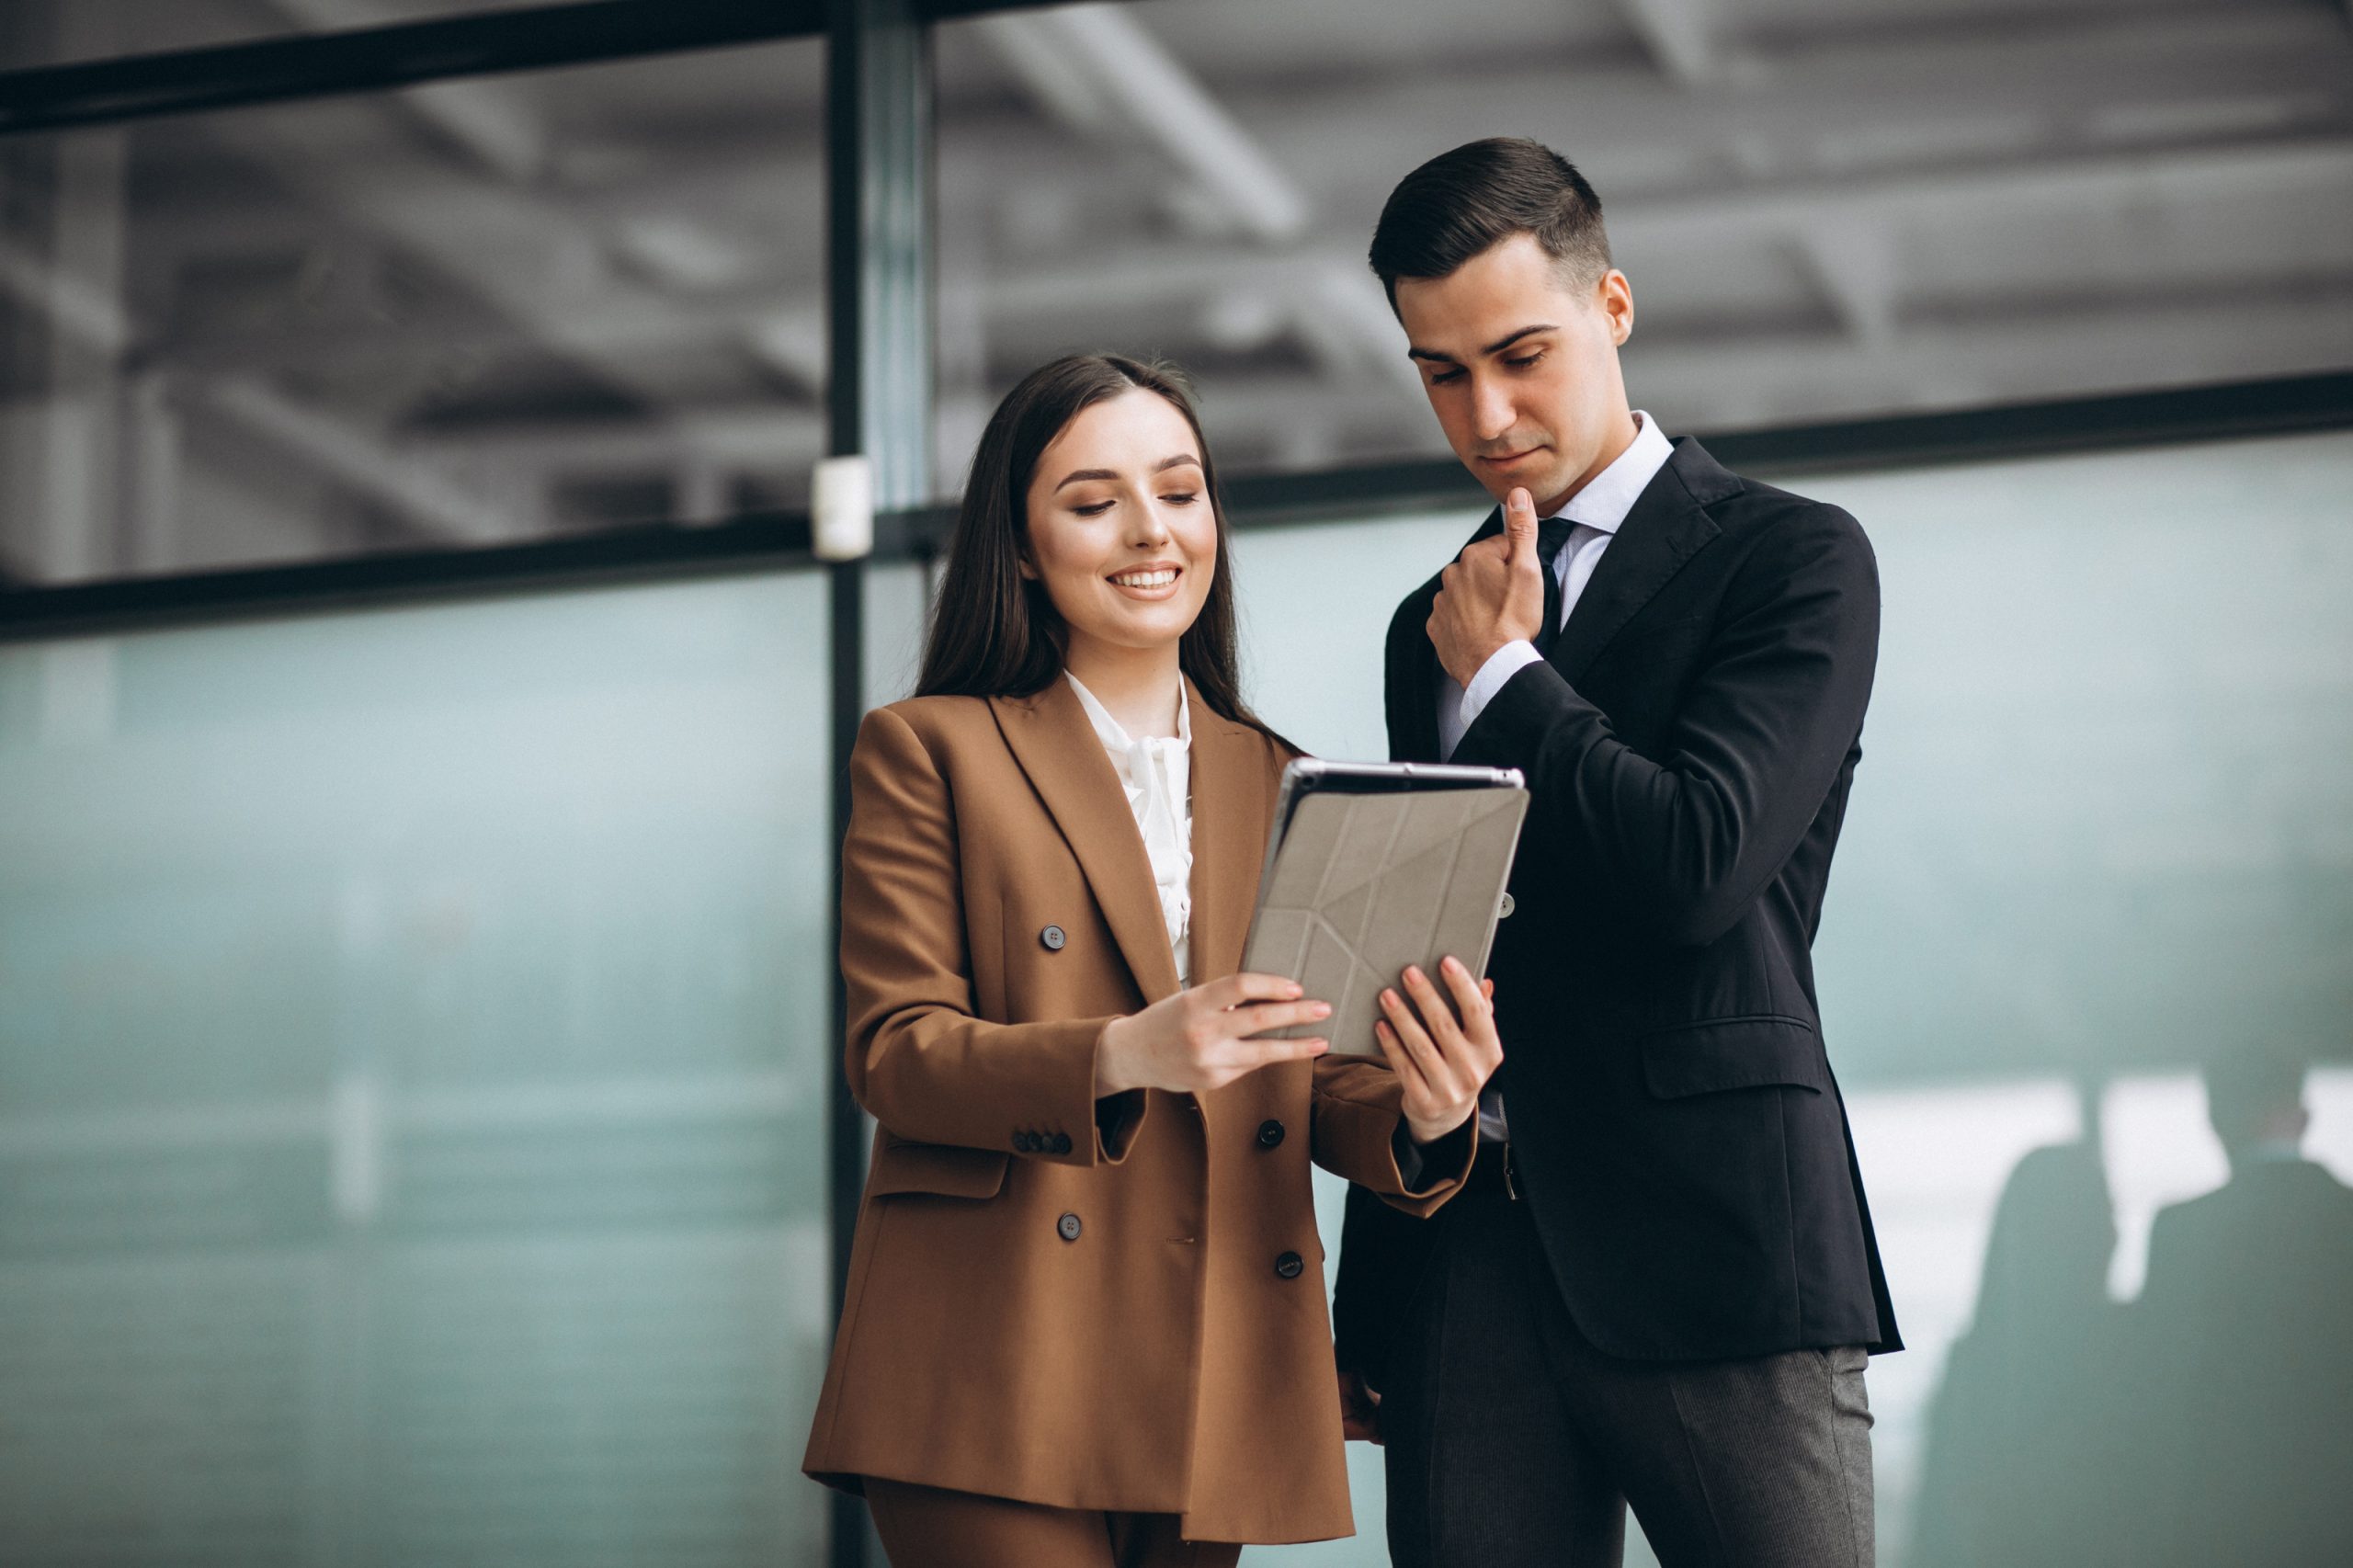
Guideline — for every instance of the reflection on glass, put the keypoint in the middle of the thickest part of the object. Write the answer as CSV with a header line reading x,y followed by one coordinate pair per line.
x,y
482,311
2204,1423
412,1051
2091,923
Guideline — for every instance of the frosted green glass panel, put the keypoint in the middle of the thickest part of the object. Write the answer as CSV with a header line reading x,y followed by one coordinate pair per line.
x,y
2102,840
412,1051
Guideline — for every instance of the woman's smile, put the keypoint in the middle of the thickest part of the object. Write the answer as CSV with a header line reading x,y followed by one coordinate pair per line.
x,y
1151,582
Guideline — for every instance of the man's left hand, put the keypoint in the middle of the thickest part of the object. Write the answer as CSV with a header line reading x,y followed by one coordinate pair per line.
x,y
1493,595
1443,1047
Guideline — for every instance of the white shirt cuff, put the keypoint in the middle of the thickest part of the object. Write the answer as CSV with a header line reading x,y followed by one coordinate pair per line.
x,y
1502,664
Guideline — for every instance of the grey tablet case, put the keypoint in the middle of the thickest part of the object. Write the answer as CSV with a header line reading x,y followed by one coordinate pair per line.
x,y
1372,867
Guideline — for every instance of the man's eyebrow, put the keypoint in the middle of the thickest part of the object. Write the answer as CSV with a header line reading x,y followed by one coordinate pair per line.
x,y
1163,466
1497,347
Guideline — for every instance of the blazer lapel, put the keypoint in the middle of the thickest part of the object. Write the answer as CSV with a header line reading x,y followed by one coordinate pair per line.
x,y
1051,738
1412,673
1231,806
1667,526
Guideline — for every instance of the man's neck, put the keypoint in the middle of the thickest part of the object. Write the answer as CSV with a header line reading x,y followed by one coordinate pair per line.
x,y
1138,686
1623,429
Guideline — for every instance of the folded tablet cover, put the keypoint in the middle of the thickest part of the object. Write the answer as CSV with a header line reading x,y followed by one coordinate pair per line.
x,y
1362,885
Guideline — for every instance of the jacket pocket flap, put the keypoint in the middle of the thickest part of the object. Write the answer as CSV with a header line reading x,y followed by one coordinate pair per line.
x,y
944,1170
1735,1053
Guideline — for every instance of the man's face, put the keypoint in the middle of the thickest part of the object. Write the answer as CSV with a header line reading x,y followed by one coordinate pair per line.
x,y
1521,368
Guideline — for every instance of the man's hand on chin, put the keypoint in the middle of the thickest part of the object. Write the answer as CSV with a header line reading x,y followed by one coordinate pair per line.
x,y
1493,595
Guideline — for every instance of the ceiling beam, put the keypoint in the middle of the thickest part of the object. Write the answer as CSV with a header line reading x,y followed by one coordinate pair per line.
x,y
357,460
483,119
1679,35
1097,68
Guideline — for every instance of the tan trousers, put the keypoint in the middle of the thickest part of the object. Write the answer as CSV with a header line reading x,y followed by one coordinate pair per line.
x,y
924,1526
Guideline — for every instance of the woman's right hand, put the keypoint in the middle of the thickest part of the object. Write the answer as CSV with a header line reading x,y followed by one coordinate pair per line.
x,y
1196,1039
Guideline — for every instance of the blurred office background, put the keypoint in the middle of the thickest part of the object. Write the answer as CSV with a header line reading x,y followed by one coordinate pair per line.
x,y
419,702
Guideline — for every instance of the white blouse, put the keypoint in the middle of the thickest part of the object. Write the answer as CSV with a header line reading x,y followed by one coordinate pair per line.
x,y
1156,772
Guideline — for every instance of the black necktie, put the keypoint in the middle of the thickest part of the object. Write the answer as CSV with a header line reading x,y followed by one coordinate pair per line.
x,y
1552,535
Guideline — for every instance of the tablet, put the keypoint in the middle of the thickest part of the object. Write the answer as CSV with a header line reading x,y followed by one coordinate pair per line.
x,y
1375,866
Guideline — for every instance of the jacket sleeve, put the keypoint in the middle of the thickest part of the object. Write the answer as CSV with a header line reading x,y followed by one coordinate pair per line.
x,y
917,1058
1356,1125
1680,845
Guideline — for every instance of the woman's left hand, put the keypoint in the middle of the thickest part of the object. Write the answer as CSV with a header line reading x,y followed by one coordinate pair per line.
x,y
1442,1053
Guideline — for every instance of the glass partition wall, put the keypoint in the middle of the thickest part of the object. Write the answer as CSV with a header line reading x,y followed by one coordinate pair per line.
x,y
495,312
412,1061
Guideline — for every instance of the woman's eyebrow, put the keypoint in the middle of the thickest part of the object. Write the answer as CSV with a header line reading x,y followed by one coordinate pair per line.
x,y
1163,466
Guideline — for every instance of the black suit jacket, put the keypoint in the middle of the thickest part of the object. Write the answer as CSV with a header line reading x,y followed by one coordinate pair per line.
x,y
1675,1130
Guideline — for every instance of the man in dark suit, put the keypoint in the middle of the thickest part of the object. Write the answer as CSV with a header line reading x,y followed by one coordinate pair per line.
x,y
1663,1290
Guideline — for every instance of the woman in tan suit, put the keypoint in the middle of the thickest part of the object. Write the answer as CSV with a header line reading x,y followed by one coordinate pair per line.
x,y
1086,1320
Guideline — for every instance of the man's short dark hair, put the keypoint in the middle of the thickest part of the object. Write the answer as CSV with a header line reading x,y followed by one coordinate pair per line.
x,y
1462,202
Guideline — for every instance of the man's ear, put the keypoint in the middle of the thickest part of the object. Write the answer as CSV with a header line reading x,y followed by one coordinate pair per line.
x,y
1617,299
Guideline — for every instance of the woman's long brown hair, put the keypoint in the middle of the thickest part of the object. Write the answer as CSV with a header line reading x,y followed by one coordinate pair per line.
x,y
995,633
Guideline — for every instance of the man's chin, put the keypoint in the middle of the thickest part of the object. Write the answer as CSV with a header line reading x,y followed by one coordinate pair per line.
x,y
1542,481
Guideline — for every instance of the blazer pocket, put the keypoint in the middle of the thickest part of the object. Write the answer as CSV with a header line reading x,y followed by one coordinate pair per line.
x,y
1757,1051
941,1170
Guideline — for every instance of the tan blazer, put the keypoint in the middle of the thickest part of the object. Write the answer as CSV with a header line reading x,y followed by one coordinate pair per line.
x,y
1118,1309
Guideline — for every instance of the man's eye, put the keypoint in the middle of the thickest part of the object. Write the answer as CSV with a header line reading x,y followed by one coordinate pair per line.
x,y
1440,377
1524,364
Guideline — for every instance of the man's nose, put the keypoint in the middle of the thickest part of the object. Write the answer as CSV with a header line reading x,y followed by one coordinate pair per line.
x,y
1491,411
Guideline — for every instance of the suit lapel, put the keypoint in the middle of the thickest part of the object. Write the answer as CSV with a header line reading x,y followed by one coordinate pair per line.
x,y
1413,672
1051,738
1411,686
1667,526
1230,824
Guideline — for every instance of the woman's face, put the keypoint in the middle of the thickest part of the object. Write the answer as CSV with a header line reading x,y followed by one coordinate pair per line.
x,y
1122,531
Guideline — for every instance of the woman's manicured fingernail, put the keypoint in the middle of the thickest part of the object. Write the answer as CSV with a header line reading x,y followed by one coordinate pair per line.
x,y
1388,997
1450,965
1293,989
1321,1010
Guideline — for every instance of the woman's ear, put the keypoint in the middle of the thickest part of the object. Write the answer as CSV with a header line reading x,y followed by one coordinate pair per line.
x,y
1029,568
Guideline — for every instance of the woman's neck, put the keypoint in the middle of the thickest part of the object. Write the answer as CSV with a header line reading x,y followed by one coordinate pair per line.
x,y
1138,686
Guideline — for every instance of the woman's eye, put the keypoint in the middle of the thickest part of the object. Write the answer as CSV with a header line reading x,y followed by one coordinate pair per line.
x,y
1093,508
1181,497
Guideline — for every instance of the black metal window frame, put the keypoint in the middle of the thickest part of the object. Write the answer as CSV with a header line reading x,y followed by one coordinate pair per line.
x,y
773,540
879,261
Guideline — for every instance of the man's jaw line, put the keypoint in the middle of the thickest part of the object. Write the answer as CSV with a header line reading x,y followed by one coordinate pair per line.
x,y
1497,475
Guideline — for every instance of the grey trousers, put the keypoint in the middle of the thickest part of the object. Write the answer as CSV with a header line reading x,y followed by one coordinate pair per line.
x,y
1511,1440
